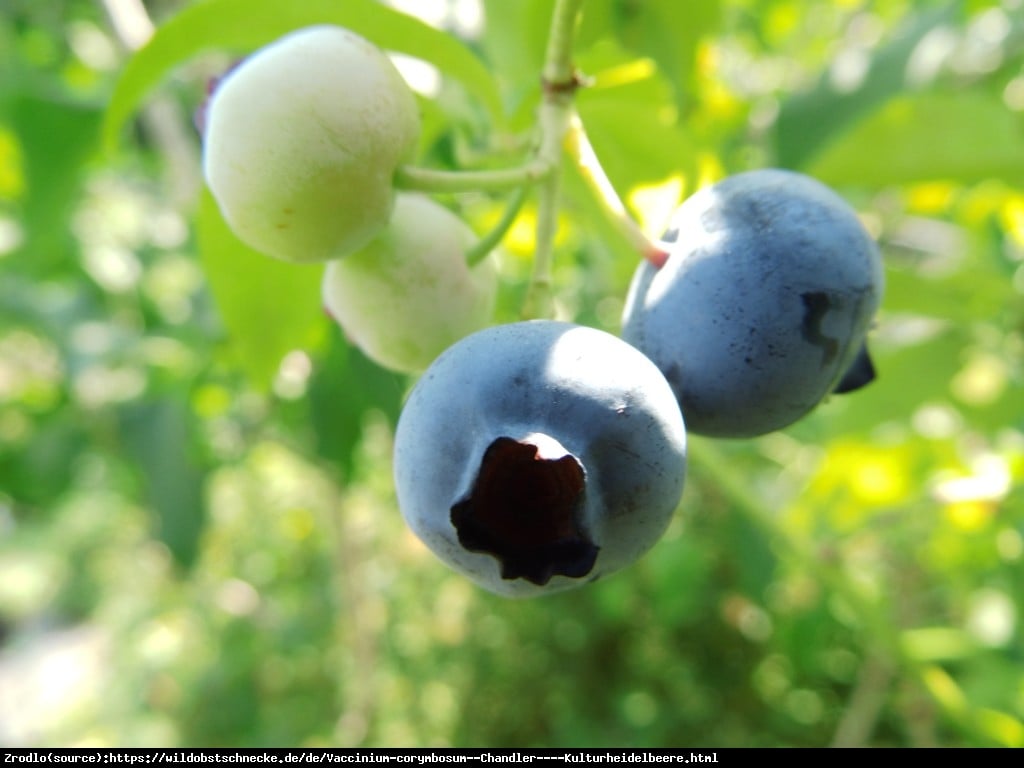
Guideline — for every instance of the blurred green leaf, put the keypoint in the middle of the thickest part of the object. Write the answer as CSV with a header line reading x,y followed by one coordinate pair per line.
x,y
750,558
157,433
948,296
344,387
808,120
931,644
960,137
667,31
39,472
680,570
268,307
514,49
57,138
1003,728
244,25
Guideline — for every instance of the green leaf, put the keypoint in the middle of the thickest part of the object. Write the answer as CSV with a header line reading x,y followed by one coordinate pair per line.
x,y
962,137
244,25
39,471
268,307
956,297
753,563
344,388
515,49
56,139
667,31
810,119
158,435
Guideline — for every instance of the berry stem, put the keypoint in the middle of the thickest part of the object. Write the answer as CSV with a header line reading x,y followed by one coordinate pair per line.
x,y
579,148
492,239
559,81
539,302
414,178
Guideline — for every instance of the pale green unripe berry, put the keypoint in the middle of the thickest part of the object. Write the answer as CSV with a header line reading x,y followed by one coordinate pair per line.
x,y
410,293
302,140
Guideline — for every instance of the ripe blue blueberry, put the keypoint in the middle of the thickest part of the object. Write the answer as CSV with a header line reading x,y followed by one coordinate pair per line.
x,y
762,307
538,456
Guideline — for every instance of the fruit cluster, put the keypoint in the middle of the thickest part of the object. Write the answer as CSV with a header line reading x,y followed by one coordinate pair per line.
x,y
537,456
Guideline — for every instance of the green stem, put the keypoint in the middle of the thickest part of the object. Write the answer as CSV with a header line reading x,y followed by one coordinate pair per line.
x,y
558,67
414,178
869,694
582,152
556,111
540,294
492,239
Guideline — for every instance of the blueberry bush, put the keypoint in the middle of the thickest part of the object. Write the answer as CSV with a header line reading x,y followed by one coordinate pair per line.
x,y
300,302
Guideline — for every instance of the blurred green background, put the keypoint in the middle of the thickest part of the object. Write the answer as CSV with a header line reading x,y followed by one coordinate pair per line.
x,y
199,541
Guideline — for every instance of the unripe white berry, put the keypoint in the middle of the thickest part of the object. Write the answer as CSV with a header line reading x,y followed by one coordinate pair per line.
x,y
302,140
410,294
